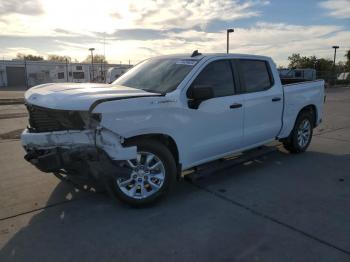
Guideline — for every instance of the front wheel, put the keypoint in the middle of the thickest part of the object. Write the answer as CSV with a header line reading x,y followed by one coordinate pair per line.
x,y
151,174
301,135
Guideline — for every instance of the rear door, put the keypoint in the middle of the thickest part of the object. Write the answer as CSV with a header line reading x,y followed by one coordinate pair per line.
x,y
263,99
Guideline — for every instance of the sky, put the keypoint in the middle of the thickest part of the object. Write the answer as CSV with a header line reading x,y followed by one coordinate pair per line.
x,y
138,29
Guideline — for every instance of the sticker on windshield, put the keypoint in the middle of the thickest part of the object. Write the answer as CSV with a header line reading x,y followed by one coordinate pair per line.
x,y
188,62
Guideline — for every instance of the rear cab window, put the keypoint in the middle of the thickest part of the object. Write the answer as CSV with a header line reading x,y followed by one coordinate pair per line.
x,y
255,75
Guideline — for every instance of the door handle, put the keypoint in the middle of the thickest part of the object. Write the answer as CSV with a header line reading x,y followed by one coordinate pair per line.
x,y
236,105
275,99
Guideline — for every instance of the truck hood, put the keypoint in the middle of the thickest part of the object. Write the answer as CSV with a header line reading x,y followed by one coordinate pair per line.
x,y
76,96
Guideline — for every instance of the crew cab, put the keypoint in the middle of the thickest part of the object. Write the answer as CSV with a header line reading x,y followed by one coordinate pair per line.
x,y
165,115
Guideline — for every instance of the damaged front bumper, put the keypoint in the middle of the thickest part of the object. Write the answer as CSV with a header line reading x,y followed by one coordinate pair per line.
x,y
52,151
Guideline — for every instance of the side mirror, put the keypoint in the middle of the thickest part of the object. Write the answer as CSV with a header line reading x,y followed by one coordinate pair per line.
x,y
198,94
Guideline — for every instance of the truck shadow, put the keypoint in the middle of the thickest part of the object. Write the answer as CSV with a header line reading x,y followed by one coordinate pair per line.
x,y
90,228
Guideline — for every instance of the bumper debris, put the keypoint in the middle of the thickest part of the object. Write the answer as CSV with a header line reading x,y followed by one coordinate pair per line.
x,y
100,138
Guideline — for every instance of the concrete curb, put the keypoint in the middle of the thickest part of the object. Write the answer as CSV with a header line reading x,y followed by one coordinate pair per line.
x,y
11,101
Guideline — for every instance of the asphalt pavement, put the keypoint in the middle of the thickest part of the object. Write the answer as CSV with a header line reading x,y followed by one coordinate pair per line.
x,y
268,206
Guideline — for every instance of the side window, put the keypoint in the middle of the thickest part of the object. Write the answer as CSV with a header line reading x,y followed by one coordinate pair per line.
x,y
255,75
218,75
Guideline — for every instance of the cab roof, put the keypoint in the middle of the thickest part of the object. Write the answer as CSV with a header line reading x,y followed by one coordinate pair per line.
x,y
212,55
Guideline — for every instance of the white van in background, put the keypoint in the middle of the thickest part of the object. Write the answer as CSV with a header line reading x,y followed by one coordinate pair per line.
x,y
114,72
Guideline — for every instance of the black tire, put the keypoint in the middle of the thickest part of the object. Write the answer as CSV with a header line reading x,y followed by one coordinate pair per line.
x,y
291,143
166,157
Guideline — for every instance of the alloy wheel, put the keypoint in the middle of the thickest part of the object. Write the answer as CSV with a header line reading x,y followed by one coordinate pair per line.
x,y
146,178
304,133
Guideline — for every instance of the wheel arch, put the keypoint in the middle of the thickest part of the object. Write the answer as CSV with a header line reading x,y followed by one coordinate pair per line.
x,y
291,142
309,108
291,120
165,139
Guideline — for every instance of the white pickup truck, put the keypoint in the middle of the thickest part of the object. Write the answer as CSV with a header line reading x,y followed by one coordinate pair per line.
x,y
165,115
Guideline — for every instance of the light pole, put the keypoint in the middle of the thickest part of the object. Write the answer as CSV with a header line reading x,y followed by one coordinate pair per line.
x,y
231,30
67,69
92,61
334,68
335,53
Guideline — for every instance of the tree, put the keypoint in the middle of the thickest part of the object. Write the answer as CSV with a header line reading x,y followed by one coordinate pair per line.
x,y
320,64
298,61
58,58
29,57
341,66
347,55
97,59
323,64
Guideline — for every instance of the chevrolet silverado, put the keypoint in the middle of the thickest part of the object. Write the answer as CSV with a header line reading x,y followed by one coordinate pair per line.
x,y
166,115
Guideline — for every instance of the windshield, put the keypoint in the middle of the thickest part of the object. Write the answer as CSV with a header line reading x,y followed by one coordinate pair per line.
x,y
158,75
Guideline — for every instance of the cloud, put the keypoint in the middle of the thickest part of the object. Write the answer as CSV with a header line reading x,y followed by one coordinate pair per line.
x,y
139,29
138,34
43,45
116,15
185,14
337,8
61,31
144,34
277,40
24,7
69,34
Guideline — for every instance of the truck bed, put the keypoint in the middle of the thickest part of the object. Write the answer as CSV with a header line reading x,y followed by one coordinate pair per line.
x,y
298,95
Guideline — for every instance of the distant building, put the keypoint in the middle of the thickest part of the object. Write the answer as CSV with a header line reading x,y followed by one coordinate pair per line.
x,y
19,73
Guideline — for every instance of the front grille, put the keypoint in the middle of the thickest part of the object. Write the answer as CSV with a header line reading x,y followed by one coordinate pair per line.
x,y
47,120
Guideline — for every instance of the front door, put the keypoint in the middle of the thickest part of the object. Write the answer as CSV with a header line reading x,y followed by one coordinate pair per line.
x,y
217,123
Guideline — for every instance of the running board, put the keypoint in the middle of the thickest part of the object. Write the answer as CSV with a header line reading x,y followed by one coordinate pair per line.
x,y
208,169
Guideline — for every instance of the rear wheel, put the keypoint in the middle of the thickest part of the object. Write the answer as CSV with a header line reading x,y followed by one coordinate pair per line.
x,y
301,135
151,174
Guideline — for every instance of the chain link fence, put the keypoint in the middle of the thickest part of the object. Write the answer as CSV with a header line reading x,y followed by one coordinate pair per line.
x,y
25,74
333,79
19,73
